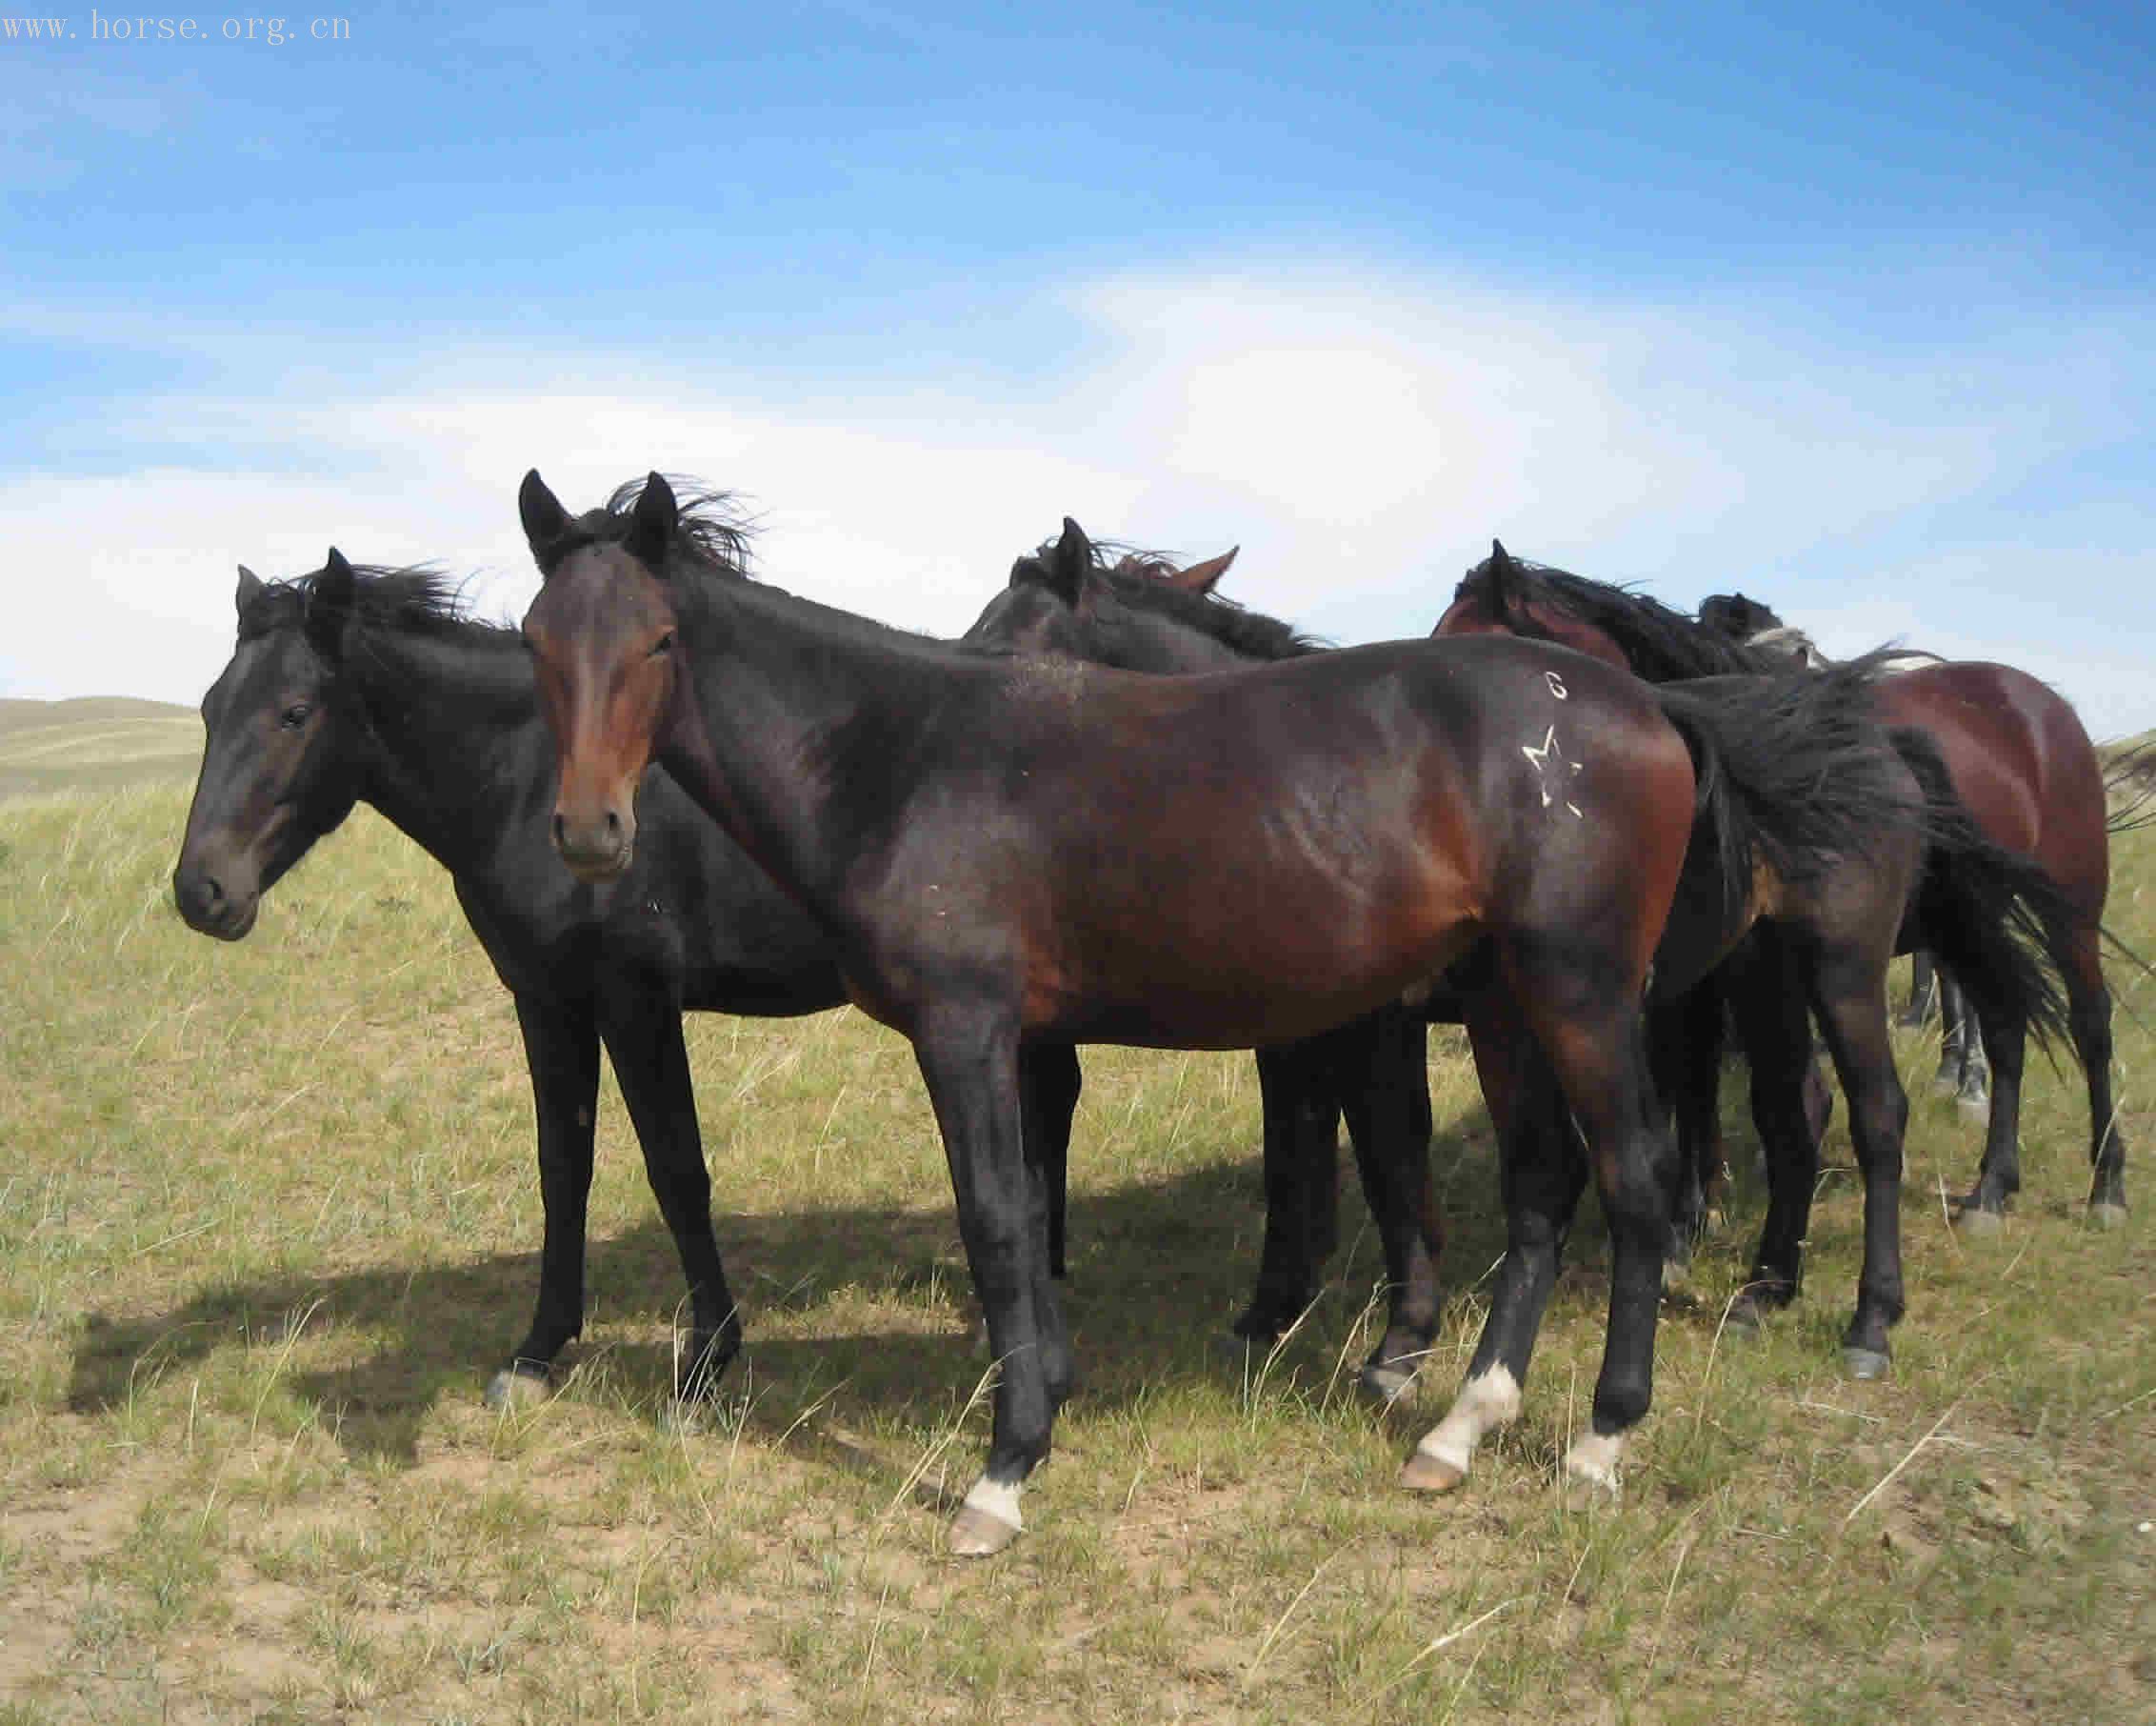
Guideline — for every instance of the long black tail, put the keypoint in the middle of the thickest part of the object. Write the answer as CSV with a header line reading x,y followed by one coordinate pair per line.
x,y
1792,770
1996,920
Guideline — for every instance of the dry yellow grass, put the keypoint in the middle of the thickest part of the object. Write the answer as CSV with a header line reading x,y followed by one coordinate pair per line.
x,y
267,1215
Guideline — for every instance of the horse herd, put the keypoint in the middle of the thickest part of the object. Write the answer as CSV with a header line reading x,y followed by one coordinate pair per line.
x,y
1122,809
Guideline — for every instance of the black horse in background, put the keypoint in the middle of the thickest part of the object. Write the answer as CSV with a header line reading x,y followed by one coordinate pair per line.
x,y
1963,1074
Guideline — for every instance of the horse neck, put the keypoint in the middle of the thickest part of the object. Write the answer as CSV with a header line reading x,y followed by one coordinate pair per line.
x,y
442,714
803,718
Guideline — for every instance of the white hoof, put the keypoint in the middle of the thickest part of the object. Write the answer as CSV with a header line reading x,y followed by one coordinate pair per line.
x,y
1591,1465
987,1521
1977,1109
2107,1216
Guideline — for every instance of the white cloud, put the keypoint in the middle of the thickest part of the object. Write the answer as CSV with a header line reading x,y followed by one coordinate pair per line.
x,y
1361,438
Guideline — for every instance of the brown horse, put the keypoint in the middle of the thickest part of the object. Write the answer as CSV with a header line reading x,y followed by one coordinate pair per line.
x,y
1029,849
2019,762
2022,763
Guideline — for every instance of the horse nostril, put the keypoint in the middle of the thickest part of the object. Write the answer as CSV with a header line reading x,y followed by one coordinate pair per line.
x,y
213,891
613,824
559,829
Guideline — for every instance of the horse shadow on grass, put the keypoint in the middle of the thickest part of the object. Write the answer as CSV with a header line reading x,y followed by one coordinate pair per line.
x,y
1158,1270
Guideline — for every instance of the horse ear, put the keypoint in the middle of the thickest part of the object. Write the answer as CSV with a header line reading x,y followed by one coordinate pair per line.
x,y
1200,577
1500,568
1071,562
541,512
329,607
250,590
651,526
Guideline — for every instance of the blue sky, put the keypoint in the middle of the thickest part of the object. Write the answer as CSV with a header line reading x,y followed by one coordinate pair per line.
x,y
1851,311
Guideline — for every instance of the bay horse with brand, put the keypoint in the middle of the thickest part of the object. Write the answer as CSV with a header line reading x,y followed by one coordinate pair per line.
x,y
2014,758
1007,851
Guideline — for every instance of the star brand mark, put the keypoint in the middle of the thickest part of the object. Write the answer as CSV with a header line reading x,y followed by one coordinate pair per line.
x,y
1549,759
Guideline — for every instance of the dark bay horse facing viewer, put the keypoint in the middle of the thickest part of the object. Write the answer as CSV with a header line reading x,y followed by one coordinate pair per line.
x,y
1006,851
358,684
362,685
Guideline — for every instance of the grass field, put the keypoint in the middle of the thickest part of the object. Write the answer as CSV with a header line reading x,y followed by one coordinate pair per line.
x,y
268,1218
101,742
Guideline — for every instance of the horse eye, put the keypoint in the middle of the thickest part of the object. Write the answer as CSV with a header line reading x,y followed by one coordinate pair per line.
x,y
664,645
295,715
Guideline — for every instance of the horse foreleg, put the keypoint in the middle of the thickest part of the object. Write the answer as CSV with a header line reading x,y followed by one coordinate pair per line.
x,y
1301,1173
643,1041
970,1063
1385,1093
1051,1080
562,1050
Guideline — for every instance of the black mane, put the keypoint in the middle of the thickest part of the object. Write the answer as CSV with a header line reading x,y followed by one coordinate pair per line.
x,y
1143,581
712,531
1663,645
417,600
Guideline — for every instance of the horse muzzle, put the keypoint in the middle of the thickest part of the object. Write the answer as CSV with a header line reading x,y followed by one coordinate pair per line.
x,y
214,902
596,850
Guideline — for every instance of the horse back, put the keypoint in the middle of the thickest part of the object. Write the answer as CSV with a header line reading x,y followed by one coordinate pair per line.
x,y
2020,763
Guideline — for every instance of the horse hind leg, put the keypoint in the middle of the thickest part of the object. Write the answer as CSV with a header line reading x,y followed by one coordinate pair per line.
x,y
1965,1046
1586,1022
1685,1052
2088,1007
1998,1177
1849,997
1541,1175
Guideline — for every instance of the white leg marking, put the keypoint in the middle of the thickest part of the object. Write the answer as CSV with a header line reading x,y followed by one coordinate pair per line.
x,y
995,1498
1593,1458
1483,1405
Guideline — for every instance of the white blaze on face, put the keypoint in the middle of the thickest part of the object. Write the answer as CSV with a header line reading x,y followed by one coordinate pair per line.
x,y
1484,1404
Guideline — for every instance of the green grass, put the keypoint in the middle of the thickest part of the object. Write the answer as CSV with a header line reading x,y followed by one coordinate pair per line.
x,y
268,1218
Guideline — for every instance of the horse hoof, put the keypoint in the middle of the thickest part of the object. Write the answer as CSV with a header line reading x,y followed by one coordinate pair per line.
x,y
1424,1472
1976,1108
1945,1085
1590,1474
2107,1214
1676,1274
979,1534
1976,1222
1384,1382
1866,1364
518,1387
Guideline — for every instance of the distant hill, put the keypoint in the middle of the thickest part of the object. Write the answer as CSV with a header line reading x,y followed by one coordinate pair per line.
x,y
95,743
